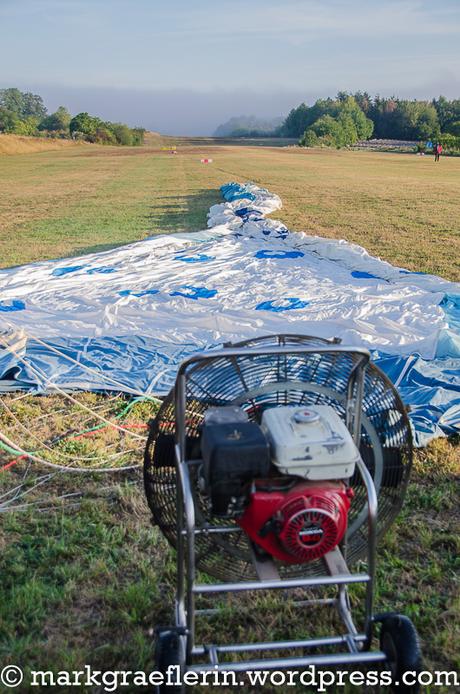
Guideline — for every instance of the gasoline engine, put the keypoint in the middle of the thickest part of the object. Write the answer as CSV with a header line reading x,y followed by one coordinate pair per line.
x,y
261,460
285,481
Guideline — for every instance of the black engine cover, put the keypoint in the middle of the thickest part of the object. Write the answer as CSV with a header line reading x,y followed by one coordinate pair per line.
x,y
233,455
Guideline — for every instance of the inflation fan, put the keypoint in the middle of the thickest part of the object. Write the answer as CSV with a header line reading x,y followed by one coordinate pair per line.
x,y
276,464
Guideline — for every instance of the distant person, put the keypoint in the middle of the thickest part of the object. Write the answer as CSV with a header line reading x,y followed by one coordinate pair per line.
x,y
437,151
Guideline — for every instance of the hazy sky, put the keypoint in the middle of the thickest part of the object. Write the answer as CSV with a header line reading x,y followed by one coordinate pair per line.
x,y
186,66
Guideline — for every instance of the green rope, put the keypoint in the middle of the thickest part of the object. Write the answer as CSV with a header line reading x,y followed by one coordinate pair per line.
x,y
121,414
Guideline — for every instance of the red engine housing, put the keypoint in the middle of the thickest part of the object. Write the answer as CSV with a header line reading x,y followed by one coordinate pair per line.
x,y
298,525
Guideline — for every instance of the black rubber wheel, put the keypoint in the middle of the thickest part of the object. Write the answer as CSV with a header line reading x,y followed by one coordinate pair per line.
x,y
168,651
400,643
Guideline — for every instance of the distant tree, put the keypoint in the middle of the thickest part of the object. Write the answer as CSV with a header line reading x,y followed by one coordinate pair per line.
x,y
23,104
85,124
382,115
342,96
455,111
248,124
328,131
94,129
27,126
416,120
426,123
58,121
454,128
25,114
303,118
33,106
363,125
336,123
448,112
364,101
400,119
297,121
348,135
309,139
105,135
11,100
9,120
444,110
122,133
138,135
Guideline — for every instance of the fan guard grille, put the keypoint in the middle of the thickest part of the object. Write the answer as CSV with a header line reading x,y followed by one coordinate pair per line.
x,y
256,383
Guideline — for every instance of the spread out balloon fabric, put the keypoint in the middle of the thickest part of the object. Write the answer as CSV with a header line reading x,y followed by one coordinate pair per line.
x,y
123,319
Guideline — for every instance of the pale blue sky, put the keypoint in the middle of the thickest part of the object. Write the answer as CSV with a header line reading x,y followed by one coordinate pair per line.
x,y
184,67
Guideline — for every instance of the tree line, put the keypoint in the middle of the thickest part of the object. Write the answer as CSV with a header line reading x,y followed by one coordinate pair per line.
x,y
329,121
349,118
23,113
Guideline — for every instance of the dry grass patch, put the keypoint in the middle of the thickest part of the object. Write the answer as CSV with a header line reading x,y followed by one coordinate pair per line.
x,y
21,144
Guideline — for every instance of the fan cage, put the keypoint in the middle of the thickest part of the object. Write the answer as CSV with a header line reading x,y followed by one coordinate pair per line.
x,y
258,382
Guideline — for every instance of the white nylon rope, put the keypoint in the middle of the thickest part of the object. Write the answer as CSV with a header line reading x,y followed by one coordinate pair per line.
x,y
89,369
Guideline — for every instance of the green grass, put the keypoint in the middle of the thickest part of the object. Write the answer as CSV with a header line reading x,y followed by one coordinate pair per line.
x,y
401,207
86,584
81,586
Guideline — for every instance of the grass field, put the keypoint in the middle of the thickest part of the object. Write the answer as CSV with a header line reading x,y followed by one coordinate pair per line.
x,y
86,585
403,208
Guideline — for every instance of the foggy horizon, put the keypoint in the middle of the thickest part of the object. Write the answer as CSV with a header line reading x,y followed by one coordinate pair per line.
x,y
161,111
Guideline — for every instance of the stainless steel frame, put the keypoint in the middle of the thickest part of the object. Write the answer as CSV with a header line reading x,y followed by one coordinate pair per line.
x,y
355,644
